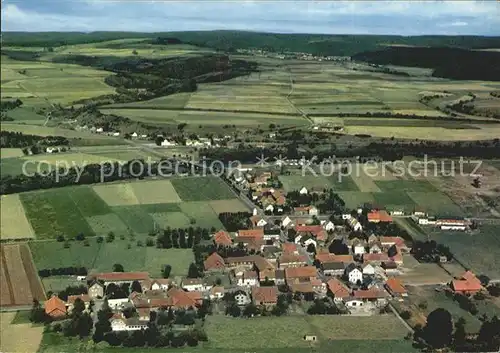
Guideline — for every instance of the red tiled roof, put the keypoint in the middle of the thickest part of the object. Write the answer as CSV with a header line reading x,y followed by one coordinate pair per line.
x,y
292,258
265,294
55,307
299,272
250,275
178,298
381,216
255,233
121,276
262,264
214,261
84,298
302,209
398,241
375,257
281,200
395,286
270,274
289,248
468,283
329,257
302,287
337,288
312,229
372,293
223,238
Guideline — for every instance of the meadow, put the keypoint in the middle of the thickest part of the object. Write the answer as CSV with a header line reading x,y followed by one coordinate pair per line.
x,y
101,257
16,337
124,208
277,333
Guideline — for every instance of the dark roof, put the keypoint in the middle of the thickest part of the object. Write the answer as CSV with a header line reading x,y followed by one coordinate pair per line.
x,y
333,266
389,265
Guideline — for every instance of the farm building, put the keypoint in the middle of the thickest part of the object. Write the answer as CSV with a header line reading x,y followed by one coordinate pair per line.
x,y
467,284
55,307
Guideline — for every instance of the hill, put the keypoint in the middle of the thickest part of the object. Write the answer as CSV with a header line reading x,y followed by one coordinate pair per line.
x,y
230,40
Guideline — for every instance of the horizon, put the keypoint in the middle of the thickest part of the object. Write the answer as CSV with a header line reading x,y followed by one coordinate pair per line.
x,y
398,18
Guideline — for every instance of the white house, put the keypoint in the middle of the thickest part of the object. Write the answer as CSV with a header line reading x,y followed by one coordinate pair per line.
x,y
116,134
162,284
166,143
269,208
354,274
328,226
195,284
352,303
99,129
255,212
247,279
375,249
132,324
313,211
286,222
368,270
217,292
51,149
358,247
303,191
134,134
96,290
355,225
116,304
261,222
242,298
346,216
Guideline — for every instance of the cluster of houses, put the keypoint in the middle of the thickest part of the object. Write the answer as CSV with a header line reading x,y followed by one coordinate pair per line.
x,y
457,223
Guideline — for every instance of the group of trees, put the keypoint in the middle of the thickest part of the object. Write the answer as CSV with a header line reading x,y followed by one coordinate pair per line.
x,y
323,307
72,290
10,139
80,322
440,332
63,271
430,251
90,174
234,221
251,310
183,238
327,201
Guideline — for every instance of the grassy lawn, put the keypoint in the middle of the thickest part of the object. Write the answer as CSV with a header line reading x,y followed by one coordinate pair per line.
x,y
354,199
204,216
52,254
202,189
58,283
22,317
394,199
135,217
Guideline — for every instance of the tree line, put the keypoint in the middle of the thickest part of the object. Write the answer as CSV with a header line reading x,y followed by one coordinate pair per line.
x,y
10,139
63,271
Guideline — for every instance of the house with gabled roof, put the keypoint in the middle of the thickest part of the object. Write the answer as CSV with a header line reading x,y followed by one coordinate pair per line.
x,y
72,298
119,277
354,273
300,274
292,260
333,268
395,287
55,307
265,296
337,290
467,284
222,238
96,290
214,262
250,233
377,216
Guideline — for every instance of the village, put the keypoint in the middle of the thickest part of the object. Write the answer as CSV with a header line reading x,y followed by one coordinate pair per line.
x,y
292,259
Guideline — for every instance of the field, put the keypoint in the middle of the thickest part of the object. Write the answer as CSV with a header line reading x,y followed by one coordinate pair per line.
x,y
287,332
335,182
469,249
102,257
14,224
440,300
18,337
10,152
124,208
19,280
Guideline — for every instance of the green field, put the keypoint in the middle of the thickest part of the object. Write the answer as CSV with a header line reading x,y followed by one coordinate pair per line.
x,y
335,182
479,251
126,208
102,257
202,189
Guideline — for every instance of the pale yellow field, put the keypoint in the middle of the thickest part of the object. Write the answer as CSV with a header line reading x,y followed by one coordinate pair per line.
x,y
428,133
11,152
70,159
158,191
117,194
49,131
18,338
419,112
14,223
233,205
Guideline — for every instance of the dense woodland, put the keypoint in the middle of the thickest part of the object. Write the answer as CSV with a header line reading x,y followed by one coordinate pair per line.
x,y
452,63
9,139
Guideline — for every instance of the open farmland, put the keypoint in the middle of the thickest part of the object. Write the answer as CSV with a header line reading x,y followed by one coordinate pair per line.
x,y
335,182
280,333
123,208
102,257
16,338
14,224
469,249
11,152
43,83
19,280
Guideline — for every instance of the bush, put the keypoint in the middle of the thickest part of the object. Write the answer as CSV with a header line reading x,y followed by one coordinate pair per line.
x,y
100,239
60,238
406,315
